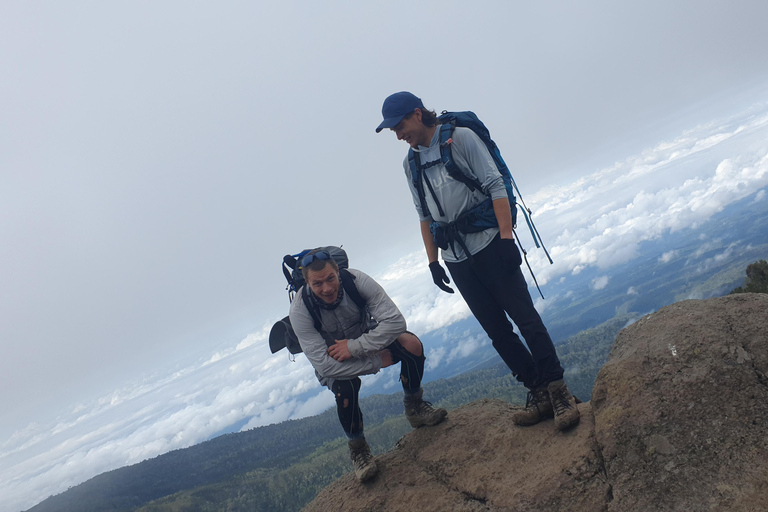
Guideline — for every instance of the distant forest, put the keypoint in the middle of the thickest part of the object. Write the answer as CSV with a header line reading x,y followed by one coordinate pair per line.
x,y
282,467
756,280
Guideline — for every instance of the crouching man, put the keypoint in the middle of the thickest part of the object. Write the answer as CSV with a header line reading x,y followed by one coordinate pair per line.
x,y
343,341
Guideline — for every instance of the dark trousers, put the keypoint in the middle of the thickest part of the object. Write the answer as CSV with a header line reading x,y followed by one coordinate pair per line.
x,y
347,391
494,289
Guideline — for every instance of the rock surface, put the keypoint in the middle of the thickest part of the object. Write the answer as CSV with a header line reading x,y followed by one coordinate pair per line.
x,y
678,421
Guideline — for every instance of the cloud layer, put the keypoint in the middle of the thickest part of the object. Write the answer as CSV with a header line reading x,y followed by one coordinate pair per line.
x,y
599,220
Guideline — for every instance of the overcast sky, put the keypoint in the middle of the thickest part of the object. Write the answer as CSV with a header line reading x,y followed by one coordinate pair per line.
x,y
157,159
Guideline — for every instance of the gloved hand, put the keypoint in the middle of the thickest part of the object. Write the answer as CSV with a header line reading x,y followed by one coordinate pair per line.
x,y
440,277
510,254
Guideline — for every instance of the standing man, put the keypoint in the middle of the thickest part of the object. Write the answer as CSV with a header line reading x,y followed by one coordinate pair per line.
x,y
485,264
344,341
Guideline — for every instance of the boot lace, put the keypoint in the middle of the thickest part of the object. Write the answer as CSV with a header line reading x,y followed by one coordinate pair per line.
x,y
419,407
425,407
561,400
362,457
530,400
535,398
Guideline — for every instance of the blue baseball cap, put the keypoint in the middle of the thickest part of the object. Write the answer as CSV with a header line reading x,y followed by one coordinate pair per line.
x,y
396,107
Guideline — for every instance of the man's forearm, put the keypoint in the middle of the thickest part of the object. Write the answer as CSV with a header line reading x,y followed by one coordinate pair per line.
x,y
429,242
503,214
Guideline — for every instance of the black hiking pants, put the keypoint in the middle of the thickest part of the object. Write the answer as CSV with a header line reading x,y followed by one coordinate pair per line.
x,y
347,391
494,289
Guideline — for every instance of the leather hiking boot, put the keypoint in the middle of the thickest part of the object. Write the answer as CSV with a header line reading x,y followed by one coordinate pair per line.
x,y
421,413
538,407
564,405
362,459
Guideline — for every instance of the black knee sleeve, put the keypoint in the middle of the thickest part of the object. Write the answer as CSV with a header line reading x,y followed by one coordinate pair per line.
x,y
351,417
411,366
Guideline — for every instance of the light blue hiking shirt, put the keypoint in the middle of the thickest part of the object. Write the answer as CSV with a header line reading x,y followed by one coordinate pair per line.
x,y
471,157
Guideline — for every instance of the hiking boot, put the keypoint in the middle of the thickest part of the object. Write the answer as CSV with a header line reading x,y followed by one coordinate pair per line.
x,y
362,460
538,407
421,413
564,405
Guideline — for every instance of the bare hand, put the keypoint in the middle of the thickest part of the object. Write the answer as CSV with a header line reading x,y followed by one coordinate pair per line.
x,y
386,358
339,351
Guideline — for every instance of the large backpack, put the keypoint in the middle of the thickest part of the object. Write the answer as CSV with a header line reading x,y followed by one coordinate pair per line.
x,y
282,335
484,218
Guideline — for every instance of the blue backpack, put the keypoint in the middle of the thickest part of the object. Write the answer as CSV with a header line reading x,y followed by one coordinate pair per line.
x,y
481,217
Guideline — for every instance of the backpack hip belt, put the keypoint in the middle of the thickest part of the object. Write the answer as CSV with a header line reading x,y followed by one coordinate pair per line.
x,y
476,219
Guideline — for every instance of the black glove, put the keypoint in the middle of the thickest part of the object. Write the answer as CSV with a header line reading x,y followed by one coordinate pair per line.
x,y
510,254
440,277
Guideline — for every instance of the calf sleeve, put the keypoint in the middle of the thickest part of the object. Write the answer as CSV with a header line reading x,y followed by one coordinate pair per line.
x,y
411,367
347,406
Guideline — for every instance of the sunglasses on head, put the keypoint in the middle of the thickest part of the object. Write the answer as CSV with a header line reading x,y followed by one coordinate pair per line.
x,y
319,255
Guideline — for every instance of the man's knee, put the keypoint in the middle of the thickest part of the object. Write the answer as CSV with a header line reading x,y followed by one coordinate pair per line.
x,y
344,390
411,343
501,333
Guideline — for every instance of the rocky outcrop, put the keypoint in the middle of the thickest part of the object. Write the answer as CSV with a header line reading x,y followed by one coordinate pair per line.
x,y
681,408
678,421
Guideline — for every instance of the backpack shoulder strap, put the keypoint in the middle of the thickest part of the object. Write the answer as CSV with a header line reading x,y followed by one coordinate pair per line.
x,y
414,163
446,154
348,282
470,120
312,310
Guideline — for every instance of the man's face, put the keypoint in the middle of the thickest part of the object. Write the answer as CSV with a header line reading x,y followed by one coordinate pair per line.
x,y
324,284
412,130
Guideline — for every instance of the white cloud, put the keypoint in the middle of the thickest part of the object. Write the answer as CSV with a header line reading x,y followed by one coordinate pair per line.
x,y
435,357
726,254
467,346
600,282
600,220
425,307
707,264
705,247
632,291
667,256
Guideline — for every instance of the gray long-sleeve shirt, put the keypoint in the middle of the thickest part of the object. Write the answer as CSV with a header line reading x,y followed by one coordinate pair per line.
x,y
345,322
471,157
